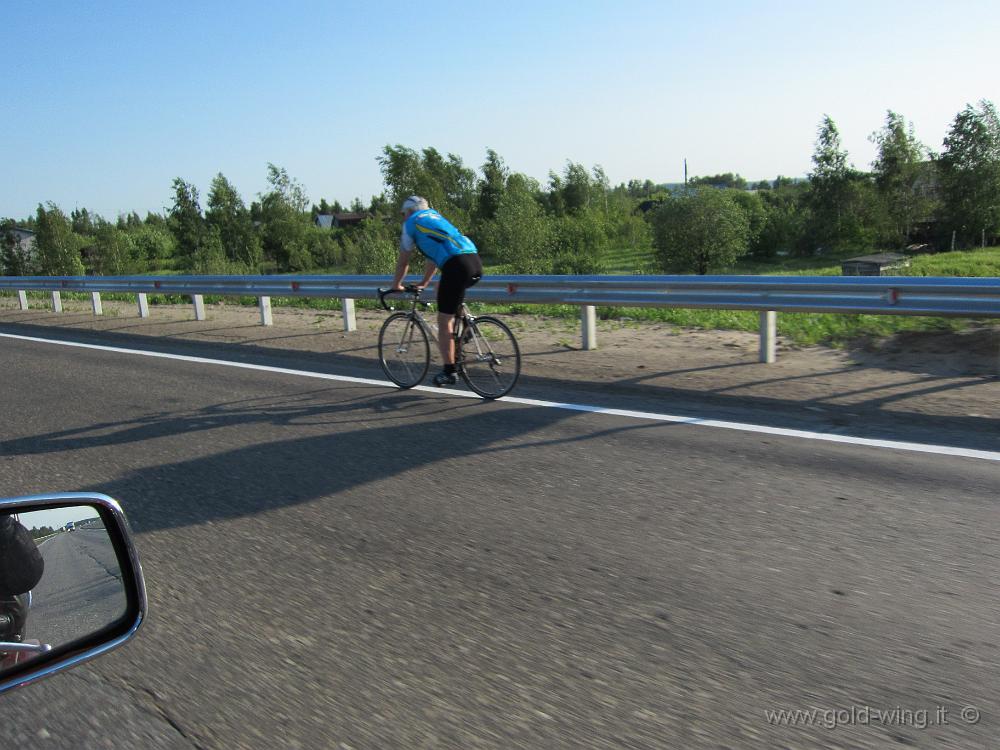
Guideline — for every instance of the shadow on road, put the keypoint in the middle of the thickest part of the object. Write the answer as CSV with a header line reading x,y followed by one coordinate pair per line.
x,y
366,439
865,417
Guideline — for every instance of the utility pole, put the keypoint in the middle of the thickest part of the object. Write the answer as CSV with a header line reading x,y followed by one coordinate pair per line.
x,y
685,175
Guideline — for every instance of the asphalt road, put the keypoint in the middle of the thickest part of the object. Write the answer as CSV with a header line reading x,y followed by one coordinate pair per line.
x,y
348,566
81,590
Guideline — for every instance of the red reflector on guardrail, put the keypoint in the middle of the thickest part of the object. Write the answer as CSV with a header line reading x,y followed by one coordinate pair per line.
x,y
512,289
156,284
296,286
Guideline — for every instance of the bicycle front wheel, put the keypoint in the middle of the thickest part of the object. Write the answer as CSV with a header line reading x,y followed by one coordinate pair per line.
x,y
403,350
490,361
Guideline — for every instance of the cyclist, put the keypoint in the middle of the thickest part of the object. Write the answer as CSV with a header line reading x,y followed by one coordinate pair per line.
x,y
21,563
21,567
426,230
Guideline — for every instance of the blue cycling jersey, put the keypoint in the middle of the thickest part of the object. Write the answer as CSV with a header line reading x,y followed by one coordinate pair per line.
x,y
434,236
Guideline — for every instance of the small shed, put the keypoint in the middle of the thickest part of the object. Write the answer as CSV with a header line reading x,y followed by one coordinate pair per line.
x,y
882,264
349,219
328,221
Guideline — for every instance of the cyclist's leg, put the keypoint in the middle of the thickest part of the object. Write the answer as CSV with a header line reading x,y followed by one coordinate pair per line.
x,y
450,287
459,273
446,338
472,267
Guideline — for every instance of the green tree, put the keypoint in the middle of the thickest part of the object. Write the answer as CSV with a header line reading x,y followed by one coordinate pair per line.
x,y
82,222
600,187
57,247
154,243
786,217
447,184
970,173
114,252
555,198
456,181
727,180
227,213
701,230
839,198
577,188
380,206
519,235
755,208
322,247
129,221
492,187
376,249
210,259
186,223
402,173
637,189
579,243
291,192
899,169
285,223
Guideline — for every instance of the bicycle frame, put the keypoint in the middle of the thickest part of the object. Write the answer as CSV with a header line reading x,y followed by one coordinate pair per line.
x,y
462,318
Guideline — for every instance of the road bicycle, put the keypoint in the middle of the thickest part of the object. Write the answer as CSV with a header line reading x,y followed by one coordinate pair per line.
x,y
14,648
487,357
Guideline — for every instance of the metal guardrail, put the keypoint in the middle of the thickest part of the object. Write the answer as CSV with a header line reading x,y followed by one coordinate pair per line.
x,y
883,295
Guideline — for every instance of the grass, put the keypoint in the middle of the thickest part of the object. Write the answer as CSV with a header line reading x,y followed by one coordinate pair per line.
x,y
631,260
800,328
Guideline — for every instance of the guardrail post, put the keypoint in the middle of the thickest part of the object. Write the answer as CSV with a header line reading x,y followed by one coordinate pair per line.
x,y
143,305
265,311
768,337
350,319
588,326
199,306
22,298
95,297
57,302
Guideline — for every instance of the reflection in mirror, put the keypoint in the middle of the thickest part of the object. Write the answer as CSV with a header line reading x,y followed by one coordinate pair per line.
x,y
59,581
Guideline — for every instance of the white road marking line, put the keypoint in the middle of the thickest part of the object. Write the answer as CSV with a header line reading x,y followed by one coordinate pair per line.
x,y
942,450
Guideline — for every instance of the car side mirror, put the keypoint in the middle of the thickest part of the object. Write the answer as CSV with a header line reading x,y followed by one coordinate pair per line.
x,y
71,587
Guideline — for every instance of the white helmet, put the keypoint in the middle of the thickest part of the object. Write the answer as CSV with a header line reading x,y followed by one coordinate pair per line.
x,y
416,202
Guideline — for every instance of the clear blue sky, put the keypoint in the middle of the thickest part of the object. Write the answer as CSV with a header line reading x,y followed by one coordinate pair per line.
x,y
107,102
56,518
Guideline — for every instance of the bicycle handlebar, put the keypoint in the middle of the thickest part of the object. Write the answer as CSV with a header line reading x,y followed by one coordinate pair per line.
x,y
408,289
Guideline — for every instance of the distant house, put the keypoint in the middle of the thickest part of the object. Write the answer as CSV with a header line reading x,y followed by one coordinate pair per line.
x,y
25,237
329,221
882,264
25,240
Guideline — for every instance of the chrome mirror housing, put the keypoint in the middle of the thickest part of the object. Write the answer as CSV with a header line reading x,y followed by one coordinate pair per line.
x,y
71,586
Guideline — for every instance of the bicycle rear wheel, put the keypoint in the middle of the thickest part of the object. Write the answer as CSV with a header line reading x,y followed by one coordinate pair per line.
x,y
403,350
490,360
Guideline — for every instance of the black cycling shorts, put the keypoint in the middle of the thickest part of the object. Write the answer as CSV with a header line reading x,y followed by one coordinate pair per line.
x,y
457,275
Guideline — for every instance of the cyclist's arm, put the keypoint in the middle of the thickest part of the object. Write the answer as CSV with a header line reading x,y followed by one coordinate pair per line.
x,y
402,262
429,269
